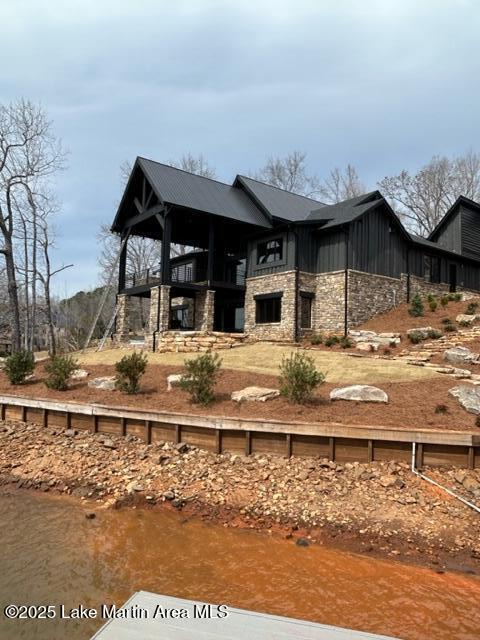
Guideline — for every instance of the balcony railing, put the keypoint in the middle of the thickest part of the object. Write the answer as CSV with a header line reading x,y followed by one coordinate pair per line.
x,y
186,272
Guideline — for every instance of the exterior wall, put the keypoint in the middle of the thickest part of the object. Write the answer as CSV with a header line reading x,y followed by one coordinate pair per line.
x,y
197,341
424,288
329,304
287,263
159,316
204,310
369,295
276,282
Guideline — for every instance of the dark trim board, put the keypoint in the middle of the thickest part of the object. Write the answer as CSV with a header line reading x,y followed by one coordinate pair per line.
x,y
342,443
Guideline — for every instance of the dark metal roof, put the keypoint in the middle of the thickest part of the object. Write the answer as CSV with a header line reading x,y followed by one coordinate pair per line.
x,y
177,187
346,211
278,202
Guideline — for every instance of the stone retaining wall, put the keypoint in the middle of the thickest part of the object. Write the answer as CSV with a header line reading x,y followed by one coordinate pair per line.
x,y
197,341
370,294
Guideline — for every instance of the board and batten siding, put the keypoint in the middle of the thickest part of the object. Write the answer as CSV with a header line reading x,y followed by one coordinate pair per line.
x,y
470,232
450,235
286,264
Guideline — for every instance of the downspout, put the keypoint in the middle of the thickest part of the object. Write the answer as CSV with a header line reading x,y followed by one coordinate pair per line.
x,y
408,274
297,292
347,251
440,486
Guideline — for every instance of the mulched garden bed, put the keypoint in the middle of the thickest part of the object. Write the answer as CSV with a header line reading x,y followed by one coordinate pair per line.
x,y
412,404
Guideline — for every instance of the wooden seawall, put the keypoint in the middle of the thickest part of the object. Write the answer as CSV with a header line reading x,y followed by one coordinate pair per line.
x,y
342,443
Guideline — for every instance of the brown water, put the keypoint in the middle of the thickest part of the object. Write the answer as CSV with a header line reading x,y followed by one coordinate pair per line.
x,y
51,554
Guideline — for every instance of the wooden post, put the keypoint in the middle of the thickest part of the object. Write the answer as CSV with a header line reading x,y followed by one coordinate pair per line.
x,y
419,460
471,458
123,423
94,424
122,264
218,441
178,434
148,428
211,250
370,451
331,448
3,411
166,239
45,418
288,445
68,420
23,414
248,443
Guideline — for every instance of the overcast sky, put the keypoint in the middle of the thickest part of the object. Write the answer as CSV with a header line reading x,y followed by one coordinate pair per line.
x,y
381,84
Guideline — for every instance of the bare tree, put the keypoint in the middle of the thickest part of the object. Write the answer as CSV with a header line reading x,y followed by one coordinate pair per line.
x,y
194,164
29,153
341,185
422,199
289,173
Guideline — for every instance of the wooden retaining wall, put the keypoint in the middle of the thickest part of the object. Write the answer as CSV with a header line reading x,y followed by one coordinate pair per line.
x,y
337,442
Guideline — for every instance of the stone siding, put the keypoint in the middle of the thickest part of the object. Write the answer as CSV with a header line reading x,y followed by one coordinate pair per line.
x,y
159,316
197,341
370,294
122,319
329,303
276,282
424,288
204,310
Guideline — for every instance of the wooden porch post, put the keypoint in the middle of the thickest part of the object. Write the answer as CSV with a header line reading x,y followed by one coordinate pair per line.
x,y
122,264
211,245
166,242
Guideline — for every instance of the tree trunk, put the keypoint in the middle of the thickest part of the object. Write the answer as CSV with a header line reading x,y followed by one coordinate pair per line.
x,y
13,294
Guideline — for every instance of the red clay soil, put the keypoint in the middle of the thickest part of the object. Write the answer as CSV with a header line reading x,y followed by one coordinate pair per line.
x,y
411,405
399,320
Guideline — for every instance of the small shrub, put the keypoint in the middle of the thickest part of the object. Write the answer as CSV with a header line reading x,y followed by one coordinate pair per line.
x,y
441,409
200,378
444,300
464,323
455,297
449,327
387,351
299,377
129,371
416,307
446,321
331,340
471,310
18,366
316,339
415,337
434,334
58,370
433,305
346,342
430,297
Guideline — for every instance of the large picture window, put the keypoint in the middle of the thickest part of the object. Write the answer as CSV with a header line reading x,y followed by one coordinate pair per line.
x,y
432,268
270,251
268,309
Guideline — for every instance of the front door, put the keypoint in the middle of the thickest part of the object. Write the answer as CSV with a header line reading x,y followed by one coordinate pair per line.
x,y
453,277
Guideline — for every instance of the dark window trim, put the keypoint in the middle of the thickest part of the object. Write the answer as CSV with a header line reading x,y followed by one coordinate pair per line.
x,y
283,248
268,296
266,308
307,294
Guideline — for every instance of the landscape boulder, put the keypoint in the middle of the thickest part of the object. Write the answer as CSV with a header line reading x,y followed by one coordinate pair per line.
x,y
173,380
256,394
460,355
464,318
468,396
367,346
105,383
79,374
387,339
359,393
425,332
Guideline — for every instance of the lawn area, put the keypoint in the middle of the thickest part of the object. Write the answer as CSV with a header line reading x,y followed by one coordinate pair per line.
x,y
265,358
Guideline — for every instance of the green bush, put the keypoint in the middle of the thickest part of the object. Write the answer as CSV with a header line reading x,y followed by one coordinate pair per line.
x,y
434,334
18,366
464,323
444,300
455,297
449,327
200,377
433,304
416,337
430,297
471,310
331,340
58,370
129,371
316,339
416,307
346,342
299,377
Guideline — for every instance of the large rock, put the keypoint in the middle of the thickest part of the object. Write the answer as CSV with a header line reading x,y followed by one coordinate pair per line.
x,y
460,355
173,380
388,339
257,394
468,396
79,374
425,332
105,383
359,393
464,318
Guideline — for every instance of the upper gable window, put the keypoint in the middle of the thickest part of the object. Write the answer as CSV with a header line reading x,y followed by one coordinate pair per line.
x,y
270,251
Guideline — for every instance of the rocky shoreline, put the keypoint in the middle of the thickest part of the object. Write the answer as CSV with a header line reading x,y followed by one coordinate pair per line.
x,y
380,509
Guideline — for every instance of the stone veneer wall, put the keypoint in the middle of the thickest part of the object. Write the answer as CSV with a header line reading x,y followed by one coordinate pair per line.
x,y
276,282
370,294
423,287
194,341
204,310
122,319
159,316
329,303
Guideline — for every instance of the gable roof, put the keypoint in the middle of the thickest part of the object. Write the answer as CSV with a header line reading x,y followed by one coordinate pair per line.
x,y
277,202
446,218
177,187
347,211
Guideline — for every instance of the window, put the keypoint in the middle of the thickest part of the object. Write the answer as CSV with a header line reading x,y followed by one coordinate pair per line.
x,y
268,308
270,251
432,268
306,310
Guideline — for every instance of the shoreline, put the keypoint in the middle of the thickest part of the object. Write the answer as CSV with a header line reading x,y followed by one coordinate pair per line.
x,y
377,509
